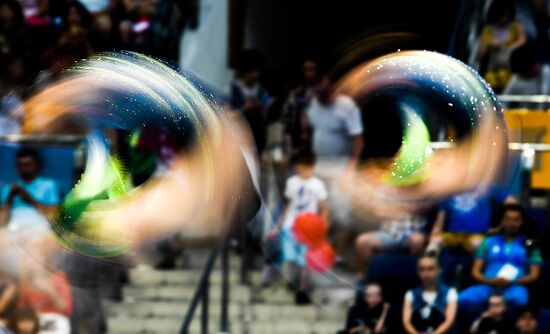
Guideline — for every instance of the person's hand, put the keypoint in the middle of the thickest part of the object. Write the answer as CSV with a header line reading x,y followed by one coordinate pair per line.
x,y
494,230
435,236
500,282
26,196
273,234
497,44
486,314
14,190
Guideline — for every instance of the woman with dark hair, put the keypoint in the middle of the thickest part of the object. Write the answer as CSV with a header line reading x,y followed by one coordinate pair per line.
x,y
370,314
431,307
499,38
73,43
14,37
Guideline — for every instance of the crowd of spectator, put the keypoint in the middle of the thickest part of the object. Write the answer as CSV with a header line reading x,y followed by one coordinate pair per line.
x,y
43,287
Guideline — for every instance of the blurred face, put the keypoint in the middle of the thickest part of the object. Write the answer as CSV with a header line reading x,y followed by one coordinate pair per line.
x,y
73,17
511,222
325,92
527,323
310,71
26,167
504,19
305,171
26,326
428,270
497,306
17,69
251,77
373,295
6,14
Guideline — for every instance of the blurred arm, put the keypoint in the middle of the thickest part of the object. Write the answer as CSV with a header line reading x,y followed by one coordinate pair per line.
x,y
450,315
533,275
407,315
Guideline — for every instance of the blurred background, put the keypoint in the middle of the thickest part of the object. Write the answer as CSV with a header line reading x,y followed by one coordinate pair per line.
x,y
278,64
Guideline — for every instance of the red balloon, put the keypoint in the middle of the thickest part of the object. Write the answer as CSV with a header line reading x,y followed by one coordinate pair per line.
x,y
310,229
320,258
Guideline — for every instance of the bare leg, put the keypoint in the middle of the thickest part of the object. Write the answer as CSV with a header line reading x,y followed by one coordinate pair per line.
x,y
366,245
416,243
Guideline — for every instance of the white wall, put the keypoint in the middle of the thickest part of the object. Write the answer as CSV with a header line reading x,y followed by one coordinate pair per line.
x,y
204,51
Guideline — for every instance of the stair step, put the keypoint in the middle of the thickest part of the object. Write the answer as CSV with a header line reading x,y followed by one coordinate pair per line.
x,y
168,309
238,293
131,325
146,276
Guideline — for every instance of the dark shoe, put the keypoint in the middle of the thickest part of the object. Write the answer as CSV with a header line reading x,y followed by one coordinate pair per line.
x,y
302,298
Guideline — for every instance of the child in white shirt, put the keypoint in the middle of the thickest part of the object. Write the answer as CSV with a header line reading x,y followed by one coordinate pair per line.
x,y
304,193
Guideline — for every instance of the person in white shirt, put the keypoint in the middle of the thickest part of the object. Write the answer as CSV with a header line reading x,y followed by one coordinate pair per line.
x,y
337,142
431,307
531,77
304,193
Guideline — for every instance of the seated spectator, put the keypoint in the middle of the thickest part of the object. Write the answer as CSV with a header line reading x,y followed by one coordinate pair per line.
x,y
494,320
369,315
431,307
28,202
14,36
49,293
73,45
463,219
12,73
400,234
526,322
504,263
531,77
25,321
498,39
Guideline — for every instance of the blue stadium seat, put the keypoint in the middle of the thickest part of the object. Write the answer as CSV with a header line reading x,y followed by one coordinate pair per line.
x,y
396,274
544,320
456,265
539,292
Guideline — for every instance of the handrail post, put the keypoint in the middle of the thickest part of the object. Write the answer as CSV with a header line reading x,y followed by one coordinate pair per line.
x,y
199,293
204,309
224,319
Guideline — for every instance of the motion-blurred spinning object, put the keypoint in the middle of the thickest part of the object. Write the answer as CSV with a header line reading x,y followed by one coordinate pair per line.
x,y
433,93
204,184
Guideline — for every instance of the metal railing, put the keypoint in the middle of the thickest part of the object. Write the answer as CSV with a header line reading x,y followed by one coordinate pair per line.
x,y
202,293
537,147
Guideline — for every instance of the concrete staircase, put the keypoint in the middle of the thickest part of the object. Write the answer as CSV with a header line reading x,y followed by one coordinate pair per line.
x,y
156,302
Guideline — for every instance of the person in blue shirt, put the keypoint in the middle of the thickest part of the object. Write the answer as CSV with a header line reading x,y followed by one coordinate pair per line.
x,y
463,219
31,200
504,264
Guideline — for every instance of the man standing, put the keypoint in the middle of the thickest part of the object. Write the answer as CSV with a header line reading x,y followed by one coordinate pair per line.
x,y
337,142
31,200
